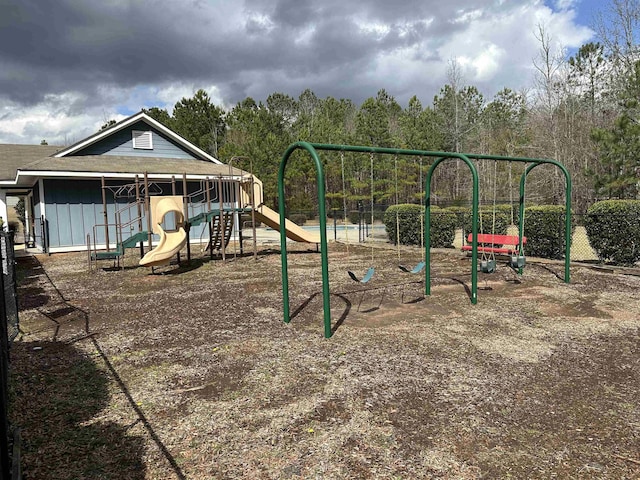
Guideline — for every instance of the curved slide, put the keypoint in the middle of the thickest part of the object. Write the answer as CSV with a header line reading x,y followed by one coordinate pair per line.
x,y
170,242
293,231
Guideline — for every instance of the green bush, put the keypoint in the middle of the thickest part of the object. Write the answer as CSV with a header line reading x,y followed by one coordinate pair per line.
x,y
298,218
354,217
544,227
506,209
503,212
409,218
487,223
613,228
405,218
443,227
461,213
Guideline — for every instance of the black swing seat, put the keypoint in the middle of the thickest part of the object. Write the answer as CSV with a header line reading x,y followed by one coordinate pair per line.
x,y
517,261
488,266
365,279
417,269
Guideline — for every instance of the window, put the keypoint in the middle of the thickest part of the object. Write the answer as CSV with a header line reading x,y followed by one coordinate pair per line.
x,y
142,140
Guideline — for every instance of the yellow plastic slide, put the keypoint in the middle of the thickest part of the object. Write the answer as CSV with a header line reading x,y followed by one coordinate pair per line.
x,y
170,242
270,217
293,231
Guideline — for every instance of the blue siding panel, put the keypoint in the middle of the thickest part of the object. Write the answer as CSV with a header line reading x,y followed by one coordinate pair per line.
x,y
64,224
78,236
74,207
51,211
89,219
121,143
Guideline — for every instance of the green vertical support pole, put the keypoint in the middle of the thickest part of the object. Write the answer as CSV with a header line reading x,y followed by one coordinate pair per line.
x,y
323,234
427,228
567,224
523,180
474,230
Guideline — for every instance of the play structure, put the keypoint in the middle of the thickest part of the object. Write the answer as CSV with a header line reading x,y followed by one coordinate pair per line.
x,y
440,157
165,216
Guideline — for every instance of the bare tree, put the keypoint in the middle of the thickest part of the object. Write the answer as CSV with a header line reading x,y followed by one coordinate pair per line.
x,y
619,30
550,93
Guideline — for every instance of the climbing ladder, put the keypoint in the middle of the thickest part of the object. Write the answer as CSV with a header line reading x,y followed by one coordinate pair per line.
x,y
220,233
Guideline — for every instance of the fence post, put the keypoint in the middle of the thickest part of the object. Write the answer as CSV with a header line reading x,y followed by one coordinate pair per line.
x,y
5,258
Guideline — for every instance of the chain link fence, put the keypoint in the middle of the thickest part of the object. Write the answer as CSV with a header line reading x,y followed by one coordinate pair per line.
x,y
9,437
581,249
10,285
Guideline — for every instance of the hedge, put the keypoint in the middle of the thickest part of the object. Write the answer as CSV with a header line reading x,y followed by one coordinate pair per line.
x,y
506,209
613,229
487,225
409,218
544,227
443,228
298,218
353,216
461,214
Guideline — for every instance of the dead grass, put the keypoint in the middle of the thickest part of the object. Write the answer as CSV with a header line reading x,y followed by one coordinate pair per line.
x,y
193,374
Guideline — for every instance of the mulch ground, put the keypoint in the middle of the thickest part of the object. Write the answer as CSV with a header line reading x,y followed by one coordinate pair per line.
x,y
193,374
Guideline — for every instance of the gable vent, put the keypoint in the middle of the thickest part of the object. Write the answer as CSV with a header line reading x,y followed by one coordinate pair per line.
x,y
142,140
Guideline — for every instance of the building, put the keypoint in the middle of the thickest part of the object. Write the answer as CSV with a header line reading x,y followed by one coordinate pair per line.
x,y
66,189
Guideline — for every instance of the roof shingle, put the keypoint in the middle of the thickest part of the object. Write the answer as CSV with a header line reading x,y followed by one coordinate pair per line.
x,y
31,158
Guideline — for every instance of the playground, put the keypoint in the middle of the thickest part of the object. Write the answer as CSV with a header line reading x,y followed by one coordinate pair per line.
x,y
193,373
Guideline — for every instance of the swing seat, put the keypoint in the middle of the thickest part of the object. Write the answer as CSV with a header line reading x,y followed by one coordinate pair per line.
x,y
365,279
417,269
517,261
488,266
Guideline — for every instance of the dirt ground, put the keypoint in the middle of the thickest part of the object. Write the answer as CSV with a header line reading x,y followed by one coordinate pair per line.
x,y
193,374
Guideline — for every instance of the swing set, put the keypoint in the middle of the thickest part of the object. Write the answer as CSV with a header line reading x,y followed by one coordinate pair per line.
x,y
440,157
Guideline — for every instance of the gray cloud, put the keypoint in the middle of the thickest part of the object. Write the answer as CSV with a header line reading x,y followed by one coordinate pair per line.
x,y
256,47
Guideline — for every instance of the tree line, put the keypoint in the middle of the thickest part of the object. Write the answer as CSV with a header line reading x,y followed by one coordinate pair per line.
x,y
582,111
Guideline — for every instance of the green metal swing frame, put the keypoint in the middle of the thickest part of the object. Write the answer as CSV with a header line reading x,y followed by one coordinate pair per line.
x,y
313,148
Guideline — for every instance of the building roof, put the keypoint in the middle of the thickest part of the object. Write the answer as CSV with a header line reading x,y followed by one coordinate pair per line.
x,y
13,157
114,164
19,164
140,116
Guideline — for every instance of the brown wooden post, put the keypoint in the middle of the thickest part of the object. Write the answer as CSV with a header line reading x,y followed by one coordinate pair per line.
x,y
253,217
173,192
238,215
185,199
206,183
139,211
147,206
222,225
104,213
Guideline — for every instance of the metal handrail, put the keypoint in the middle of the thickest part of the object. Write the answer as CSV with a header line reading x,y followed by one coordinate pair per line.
x,y
95,236
132,220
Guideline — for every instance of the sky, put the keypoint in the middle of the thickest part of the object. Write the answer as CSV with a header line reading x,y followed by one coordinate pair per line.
x,y
69,66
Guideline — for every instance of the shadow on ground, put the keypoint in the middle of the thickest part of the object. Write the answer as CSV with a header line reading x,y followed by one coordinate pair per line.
x,y
58,390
